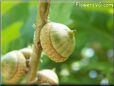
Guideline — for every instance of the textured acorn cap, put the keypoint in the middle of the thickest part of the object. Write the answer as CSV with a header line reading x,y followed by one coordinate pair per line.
x,y
13,66
47,76
57,41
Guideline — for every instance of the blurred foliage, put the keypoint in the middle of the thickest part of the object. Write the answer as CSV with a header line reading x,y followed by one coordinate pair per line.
x,y
92,60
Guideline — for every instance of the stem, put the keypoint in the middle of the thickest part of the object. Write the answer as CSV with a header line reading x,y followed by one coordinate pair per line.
x,y
37,49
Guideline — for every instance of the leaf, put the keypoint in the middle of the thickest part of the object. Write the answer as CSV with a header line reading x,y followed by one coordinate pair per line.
x,y
6,6
11,34
17,13
90,25
60,12
26,31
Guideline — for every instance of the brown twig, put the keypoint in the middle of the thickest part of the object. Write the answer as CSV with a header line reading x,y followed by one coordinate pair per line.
x,y
37,49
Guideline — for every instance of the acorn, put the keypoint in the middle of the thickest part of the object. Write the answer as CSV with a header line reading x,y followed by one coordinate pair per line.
x,y
57,41
13,66
27,52
46,77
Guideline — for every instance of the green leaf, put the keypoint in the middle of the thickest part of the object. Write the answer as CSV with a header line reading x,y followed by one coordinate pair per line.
x,y
60,12
6,6
16,13
11,34
90,25
26,31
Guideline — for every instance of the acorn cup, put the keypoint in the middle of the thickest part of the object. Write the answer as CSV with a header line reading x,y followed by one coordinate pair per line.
x,y
57,41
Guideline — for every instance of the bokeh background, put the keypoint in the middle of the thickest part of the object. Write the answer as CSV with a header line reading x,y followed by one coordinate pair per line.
x,y
92,60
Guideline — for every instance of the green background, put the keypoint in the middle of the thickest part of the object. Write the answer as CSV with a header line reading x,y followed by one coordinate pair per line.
x,y
92,60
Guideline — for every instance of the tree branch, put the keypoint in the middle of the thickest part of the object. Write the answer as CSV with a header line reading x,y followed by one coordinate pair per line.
x,y
37,49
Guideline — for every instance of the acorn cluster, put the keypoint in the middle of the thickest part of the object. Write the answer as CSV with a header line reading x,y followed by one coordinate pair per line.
x,y
57,41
